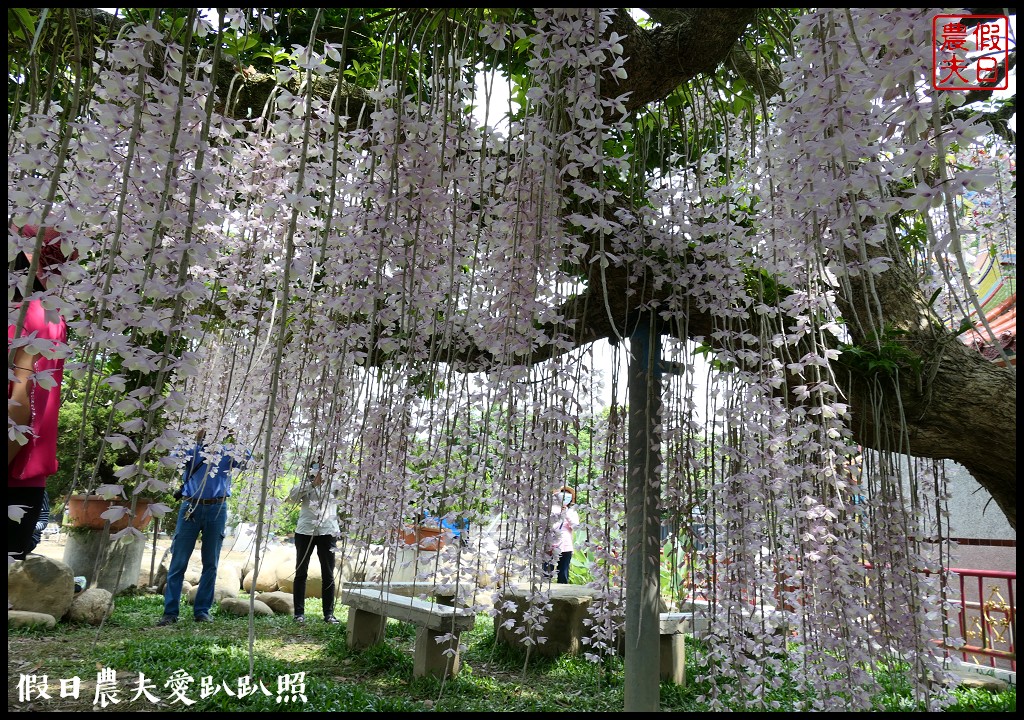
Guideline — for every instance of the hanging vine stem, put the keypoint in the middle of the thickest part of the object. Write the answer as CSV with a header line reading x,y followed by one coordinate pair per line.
x,y
335,143
59,164
33,59
276,373
149,269
95,320
174,333
51,195
855,218
954,231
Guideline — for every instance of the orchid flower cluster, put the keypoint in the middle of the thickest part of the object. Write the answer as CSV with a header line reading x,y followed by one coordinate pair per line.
x,y
320,286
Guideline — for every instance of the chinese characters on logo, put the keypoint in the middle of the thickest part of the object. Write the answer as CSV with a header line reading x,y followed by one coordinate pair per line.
x,y
290,688
970,52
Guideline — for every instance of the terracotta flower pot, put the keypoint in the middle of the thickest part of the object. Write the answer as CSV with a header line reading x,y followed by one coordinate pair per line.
x,y
427,538
82,514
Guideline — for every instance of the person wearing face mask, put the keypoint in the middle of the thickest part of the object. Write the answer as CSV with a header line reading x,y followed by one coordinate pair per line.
x,y
317,528
564,520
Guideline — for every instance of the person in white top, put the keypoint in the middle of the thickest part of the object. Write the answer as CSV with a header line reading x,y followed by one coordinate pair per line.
x,y
317,528
564,520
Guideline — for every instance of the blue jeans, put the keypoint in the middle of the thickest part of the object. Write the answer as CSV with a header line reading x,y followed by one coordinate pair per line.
x,y
208,521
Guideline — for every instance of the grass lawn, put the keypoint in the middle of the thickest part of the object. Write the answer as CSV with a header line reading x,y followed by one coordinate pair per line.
x,y
494,678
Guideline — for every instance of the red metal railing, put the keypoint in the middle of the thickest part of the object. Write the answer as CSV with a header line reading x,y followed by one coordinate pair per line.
x,y
987,616
985,610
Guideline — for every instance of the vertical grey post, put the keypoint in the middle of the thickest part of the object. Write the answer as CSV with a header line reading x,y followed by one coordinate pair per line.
x,y
643,528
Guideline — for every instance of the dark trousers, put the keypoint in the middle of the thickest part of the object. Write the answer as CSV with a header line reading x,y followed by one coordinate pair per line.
x,y
19,534
563,567
564,560
304,545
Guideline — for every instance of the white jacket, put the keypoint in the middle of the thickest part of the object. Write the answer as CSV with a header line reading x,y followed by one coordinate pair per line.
x,y
319,512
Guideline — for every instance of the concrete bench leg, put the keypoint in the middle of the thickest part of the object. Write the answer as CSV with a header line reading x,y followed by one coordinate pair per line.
x,y
429,658
364,629
673,659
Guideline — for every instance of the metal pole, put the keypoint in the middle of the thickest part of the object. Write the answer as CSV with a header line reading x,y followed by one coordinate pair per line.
x,y
643,528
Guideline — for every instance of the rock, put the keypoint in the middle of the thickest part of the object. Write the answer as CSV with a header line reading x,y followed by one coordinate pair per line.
x,y
240,607
270,558
229,574
160,581
267,581
90,606
40,584
280,602
364,564
488,579
25,618
284,573
314,578
980,680
220,593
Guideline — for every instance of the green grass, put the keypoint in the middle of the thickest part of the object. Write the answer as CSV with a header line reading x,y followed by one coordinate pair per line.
x,y
494,676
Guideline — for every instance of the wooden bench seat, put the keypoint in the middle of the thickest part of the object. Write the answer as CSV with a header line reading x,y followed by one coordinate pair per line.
x,y
369,610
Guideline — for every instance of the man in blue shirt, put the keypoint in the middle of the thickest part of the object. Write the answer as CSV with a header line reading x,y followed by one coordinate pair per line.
x,y
204,511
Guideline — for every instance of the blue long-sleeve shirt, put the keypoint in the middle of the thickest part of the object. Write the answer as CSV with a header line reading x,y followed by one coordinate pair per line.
x,y
208,474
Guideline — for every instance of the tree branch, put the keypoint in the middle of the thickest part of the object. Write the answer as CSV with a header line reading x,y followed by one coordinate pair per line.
x,y
659,60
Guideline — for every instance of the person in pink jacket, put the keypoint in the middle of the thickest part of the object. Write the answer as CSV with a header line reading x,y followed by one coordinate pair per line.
x,y
564,520
33,394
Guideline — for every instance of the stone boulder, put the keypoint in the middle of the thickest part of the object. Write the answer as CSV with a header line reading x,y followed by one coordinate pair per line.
x,y
194,571
279,553
267,581
160,581
220,593
40,584
363,564
970,678
240,607
91,606
229,574
282,603
270,558
314,578
24,618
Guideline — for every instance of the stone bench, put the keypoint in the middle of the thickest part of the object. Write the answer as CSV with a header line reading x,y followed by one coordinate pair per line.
x,y
564,629
673,629
369,610
448,594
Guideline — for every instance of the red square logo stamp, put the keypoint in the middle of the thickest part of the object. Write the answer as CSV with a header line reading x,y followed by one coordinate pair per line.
x,y
970,52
